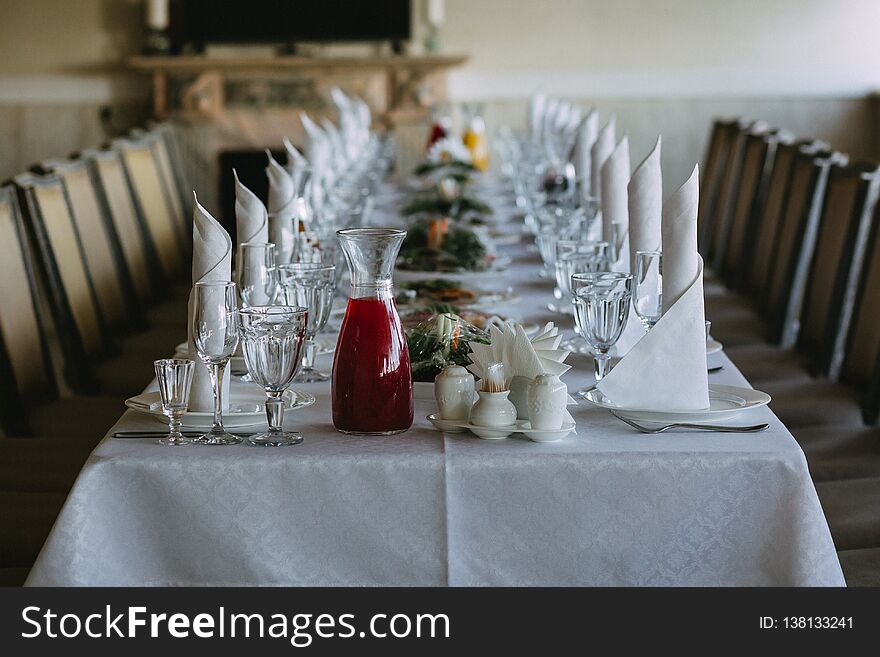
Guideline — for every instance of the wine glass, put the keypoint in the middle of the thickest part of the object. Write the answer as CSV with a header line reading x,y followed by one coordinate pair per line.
x,y
174,376
601,305
215,334
271,338
312,286
257,278
648,287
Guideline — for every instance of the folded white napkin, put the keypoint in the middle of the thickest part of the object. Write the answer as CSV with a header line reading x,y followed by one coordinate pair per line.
x,y
251,222
318,150
645,202
282,195
588,131
615,214
666,369
537,105
297,164
601,150
212,261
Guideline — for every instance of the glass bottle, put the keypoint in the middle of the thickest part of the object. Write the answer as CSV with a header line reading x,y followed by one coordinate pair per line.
x,y
372,381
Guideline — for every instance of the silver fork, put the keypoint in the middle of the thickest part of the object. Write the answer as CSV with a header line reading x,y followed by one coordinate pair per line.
x,y
683,425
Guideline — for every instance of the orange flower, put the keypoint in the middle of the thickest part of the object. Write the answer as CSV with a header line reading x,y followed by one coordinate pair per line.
x,y
436,232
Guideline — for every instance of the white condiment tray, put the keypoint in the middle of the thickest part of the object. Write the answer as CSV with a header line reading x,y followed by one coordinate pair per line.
x,y
499,433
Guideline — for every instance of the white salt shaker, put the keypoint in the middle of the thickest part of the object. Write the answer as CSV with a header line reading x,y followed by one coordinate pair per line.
x,y
547,400
454,392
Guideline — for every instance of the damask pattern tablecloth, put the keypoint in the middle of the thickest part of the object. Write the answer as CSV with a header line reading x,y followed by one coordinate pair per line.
x,y
608,506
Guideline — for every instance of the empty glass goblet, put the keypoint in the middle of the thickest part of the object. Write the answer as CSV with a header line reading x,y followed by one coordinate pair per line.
x,y
601,302
271,338
648,288
174,376
312,286
215,334
257,278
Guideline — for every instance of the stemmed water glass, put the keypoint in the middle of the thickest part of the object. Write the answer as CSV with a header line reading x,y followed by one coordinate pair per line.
x,y
174,376
272,338
215,334
648,288
257,278
312,286
601,308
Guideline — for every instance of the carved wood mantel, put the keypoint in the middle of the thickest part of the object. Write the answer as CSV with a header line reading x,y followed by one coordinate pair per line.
x,y
199,85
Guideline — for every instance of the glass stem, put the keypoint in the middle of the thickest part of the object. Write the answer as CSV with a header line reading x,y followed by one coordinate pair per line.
x,y
310,351
274,411
217,370
174,434
601,359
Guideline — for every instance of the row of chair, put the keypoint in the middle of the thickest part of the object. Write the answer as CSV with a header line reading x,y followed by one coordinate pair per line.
x,y
94,254
790,231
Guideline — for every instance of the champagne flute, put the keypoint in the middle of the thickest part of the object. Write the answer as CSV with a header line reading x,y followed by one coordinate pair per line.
x,y
312,286
272,338
648,288
601,301
215,334
257,278
174,376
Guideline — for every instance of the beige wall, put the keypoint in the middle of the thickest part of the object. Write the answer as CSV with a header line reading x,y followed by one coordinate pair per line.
x,y
60,63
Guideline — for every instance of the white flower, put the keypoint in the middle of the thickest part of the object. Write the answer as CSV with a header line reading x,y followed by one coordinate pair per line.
x,y
448,150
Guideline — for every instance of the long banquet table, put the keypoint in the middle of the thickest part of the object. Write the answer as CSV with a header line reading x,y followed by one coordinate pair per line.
x,y
608,506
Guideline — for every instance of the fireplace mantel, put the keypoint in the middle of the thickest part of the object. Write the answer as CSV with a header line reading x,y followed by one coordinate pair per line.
x,y
204,79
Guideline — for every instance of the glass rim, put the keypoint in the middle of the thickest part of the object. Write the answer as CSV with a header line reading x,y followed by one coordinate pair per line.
x,y
306,266
650,252
163,362
255,244
226,284
263,311
598,275
356,233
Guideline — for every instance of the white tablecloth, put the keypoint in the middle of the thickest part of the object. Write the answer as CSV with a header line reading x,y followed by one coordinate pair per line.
x,y
608,506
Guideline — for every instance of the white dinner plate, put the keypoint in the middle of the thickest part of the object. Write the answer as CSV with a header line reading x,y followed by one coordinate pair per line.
x,y
724,403
713,346
499,433
246,408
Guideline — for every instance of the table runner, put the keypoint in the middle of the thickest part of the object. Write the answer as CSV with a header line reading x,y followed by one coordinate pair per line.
x,y
608,506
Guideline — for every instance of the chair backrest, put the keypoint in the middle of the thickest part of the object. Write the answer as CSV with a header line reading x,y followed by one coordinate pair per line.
x,y
173,159
858,357
106,265
116,196
65,274
758,153
727,192
21,329
795,242
720,139
841,241
151,198
770,216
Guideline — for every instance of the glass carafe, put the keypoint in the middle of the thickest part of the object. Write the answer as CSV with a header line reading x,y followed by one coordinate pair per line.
x,y
372,380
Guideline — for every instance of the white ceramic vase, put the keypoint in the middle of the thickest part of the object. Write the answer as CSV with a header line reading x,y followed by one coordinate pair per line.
x,y
454,393
493,409
547,400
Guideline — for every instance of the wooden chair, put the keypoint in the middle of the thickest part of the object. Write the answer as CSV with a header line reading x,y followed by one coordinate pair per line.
x,y
31,402
26,360
106,265
727,192
794,244
759,151
770,216
151,196
720,140
74,304
141,261
841,242
171,154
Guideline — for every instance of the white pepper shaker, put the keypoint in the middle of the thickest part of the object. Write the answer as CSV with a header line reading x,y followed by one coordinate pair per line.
x,y
454,392
547,400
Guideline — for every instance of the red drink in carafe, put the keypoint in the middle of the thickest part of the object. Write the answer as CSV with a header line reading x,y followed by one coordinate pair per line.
x,y
372,380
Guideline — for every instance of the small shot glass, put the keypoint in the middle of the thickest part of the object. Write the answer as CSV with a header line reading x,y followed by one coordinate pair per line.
x,y
175,377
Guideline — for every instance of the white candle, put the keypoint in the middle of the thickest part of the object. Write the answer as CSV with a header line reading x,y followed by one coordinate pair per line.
x,y
436,11
157,14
